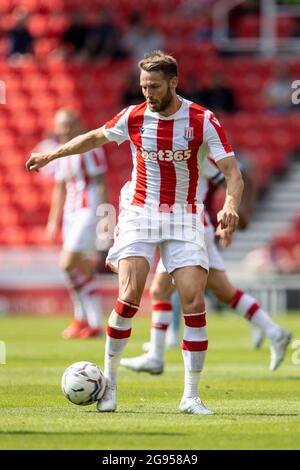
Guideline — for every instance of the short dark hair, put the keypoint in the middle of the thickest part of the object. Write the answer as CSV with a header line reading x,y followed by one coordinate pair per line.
x,y
159,61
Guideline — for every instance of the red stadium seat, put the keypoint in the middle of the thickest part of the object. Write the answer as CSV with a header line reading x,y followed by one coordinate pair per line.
x,y
38,24
285,26
6,5
248,27
13,236
9,216
44,46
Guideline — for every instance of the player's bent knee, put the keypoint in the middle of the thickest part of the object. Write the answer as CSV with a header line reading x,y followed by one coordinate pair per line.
x,y
196,306
130,294
156,293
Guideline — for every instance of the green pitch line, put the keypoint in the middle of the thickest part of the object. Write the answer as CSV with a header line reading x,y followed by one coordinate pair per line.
x,y
255,408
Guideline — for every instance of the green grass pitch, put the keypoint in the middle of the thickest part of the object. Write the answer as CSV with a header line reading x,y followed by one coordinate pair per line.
x,y
255,408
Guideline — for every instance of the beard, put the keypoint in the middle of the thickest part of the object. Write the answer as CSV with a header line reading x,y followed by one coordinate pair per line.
x,y
164,103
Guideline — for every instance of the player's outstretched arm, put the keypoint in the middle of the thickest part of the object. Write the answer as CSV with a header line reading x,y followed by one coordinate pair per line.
x,y
228,216
80,144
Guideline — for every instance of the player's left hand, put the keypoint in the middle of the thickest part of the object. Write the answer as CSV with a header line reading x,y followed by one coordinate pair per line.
x,y
228,218
36,161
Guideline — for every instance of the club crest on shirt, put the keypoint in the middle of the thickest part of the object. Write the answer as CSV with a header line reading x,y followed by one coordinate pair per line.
x,y
188,133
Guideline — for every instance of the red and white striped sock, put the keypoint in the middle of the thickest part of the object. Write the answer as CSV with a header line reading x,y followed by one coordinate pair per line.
x,y
249,308
92,303
88,296
161,318
75,278
194,347
117,335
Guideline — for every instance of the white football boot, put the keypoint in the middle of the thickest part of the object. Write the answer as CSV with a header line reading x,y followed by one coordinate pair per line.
x,y
194,406
279,347
108,402
146,346
144,363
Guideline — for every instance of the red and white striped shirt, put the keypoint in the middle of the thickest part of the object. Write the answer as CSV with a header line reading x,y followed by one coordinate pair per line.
x,y
168,151
76,171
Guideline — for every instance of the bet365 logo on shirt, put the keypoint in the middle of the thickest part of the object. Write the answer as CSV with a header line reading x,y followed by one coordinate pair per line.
x,y
166,155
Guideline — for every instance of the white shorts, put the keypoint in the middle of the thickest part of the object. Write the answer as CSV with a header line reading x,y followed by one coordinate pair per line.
x,y
214,255
79,230
215,258
130,240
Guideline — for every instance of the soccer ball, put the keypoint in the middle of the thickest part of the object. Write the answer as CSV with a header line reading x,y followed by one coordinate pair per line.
x,y
83,383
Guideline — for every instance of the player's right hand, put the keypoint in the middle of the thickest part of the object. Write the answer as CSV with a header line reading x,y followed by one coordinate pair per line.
x,y
36,161
224,236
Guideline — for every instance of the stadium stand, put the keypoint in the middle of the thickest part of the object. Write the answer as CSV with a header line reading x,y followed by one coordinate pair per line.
x,y
40,83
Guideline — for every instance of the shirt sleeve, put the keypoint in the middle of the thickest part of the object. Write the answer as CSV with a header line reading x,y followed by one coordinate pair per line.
x,y
116,130
214,136
95,162
211,171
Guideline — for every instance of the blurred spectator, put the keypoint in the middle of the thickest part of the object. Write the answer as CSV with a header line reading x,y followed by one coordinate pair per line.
x,y
141,38
274,259
217,96
20,39
249,171
102,40
75,35
132,94
277,92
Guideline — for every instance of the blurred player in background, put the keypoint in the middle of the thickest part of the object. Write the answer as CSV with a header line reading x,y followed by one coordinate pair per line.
x,y
169,138
165,307
79,189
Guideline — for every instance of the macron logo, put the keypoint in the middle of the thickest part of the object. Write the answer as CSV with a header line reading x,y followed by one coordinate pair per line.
x,y
142,130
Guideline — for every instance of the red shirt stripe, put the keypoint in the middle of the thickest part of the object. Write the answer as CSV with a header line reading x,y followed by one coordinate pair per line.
x,y
221,134
196,121
115,119
97,159
84,202
167,169
135,122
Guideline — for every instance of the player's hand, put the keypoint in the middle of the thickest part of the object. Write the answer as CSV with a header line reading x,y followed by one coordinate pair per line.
x,y
52,231
37,161
228,218
244,220
224,236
